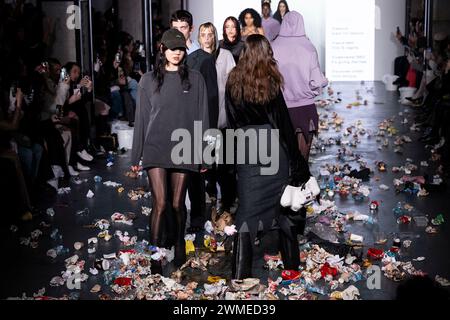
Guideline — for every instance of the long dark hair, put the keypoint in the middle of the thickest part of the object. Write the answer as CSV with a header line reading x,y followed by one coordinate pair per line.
x,y
238,31
277,14
160,70
256,78
257,21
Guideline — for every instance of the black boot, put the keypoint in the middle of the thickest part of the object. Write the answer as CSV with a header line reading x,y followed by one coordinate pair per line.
x,y
300,222
168,234
242,255
180,254
156,267
180,243
290,253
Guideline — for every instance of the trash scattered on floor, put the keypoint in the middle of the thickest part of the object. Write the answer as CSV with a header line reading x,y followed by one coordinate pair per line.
x,y
51,212
110,159
78,245
90,194
78,180
137,194
96,289
438,220
442,281
84,212
346,177
121,218
112,184
146,211
66,190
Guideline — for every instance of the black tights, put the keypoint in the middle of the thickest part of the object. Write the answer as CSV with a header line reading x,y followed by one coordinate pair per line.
x,y
178,187
304,144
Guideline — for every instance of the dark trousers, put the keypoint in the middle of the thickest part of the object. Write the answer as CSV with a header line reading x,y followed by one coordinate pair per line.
x,y
55,146
224,175
84,127
13,187
401,67
196,191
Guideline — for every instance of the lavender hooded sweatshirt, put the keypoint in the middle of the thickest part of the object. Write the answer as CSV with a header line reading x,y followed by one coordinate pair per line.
x,y
298,62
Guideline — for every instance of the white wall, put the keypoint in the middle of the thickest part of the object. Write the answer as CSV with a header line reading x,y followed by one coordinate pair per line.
x,y
392,14
202,11
130,15
64,46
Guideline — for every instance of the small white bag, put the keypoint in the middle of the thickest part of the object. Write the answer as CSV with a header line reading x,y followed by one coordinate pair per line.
x,y
299,197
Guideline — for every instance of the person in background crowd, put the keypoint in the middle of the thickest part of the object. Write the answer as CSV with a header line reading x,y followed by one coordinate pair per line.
x,y
203,62
254,102
409,67
251,23
51,94
10,162
232,37
127,77
282,9
28,136
79,99
224,63
434,57
270,25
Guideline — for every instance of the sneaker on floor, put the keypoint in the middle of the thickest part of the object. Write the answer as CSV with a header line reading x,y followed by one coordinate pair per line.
x,y
80,167
73,172
85,156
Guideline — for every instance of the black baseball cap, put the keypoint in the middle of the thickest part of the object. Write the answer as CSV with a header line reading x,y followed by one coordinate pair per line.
x,y
173,39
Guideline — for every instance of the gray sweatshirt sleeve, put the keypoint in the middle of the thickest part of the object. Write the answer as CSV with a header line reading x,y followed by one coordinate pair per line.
x,y
203,103
204,116
143,107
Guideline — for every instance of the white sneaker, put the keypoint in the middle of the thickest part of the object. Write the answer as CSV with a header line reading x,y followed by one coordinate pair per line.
x,y
73,172
80,167
85,156
88,155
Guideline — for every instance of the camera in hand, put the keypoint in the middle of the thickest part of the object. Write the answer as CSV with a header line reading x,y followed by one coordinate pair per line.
x,y
59,112
137,67
141,49
14,89
64,75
